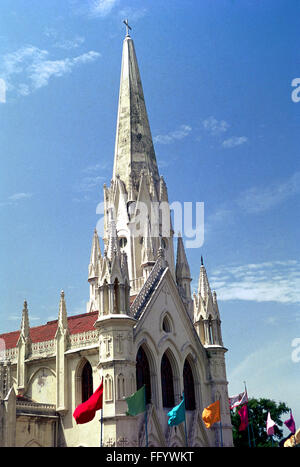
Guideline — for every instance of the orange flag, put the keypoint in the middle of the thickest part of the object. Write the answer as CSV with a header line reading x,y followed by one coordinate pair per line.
x,y
211,414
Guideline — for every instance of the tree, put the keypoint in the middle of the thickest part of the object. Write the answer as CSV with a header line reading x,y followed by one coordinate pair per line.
x,y
257,414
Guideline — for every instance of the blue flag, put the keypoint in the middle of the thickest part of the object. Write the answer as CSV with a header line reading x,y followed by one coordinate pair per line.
x,y
177,414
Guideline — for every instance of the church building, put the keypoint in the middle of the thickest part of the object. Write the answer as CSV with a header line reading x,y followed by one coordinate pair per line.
x,y
142,326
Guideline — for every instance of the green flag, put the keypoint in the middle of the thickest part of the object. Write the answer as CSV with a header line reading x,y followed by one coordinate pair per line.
x,y
177,414
137,402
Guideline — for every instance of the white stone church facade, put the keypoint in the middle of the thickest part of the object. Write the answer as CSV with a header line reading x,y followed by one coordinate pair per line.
x,y
143,326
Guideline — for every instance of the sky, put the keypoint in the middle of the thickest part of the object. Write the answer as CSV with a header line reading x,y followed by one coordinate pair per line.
x,y
217,79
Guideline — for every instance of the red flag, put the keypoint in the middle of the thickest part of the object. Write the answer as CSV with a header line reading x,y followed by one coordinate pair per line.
x,y
290,423
86,411
243,413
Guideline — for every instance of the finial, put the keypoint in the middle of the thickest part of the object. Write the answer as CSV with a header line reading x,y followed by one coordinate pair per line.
x,y
201,260
62,294
25,304
127,27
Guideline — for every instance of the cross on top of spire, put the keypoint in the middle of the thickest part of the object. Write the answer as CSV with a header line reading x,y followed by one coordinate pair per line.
x,y
127,26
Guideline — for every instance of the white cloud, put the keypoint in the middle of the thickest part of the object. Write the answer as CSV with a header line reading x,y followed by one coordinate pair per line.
x,y
92,169
19,196
29,68
277,281
133,14
101,8
214,126
182,132
259,199
62,42
12,200
41,72
88,183
234,141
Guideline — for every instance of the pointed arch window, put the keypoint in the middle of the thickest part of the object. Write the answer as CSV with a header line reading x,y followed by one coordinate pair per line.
x,y
210,331
166,324
189,387
86,382
167,382
108,388
116,296
143,373
105,299
121,386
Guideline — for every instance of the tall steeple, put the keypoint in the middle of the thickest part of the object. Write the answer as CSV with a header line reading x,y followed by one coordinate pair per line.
x,y
136,202
183,276
134,149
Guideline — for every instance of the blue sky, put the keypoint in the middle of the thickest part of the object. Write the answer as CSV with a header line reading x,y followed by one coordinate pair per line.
x,y
217,82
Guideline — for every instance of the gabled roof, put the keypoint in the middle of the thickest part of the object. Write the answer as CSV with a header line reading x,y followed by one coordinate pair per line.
x,y
76,324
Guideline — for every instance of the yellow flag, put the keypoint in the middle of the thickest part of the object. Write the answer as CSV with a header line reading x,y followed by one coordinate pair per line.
x,y
211,414
293,440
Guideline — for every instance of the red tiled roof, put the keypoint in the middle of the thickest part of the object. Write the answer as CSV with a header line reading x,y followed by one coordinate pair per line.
x,y
46,332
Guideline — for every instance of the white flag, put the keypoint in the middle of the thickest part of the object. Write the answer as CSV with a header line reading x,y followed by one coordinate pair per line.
x,y
240,399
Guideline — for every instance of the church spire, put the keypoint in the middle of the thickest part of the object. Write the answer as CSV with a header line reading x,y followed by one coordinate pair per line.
x,y
206,312
62,313
183,275
95,256
25,322
203,283
182,266
134,150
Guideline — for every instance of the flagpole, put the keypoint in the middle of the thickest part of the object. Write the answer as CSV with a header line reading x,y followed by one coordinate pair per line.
x,y
221,430
251,424
248,429
221,434
146,427
101,431
185,430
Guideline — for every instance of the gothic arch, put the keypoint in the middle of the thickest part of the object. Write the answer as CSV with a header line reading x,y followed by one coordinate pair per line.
x,y
127,297
167,379
189,386
198,372
108,388
174,359
105,298
84,370
86,382
41,385
37,370
147,340
116,296
210,330
151,351
165,317
121,390
143,373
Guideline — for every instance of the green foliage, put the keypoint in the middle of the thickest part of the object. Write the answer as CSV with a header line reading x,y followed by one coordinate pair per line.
x,y
257,413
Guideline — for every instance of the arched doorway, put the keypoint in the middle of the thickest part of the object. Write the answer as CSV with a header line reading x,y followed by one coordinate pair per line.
x,y
167,385
86,382
189,387
143,373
